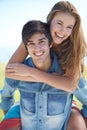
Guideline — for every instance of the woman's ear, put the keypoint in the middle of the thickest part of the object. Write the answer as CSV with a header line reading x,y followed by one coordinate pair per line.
x,y
51,44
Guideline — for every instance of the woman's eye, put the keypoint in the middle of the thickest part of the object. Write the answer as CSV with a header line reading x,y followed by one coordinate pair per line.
x,y
59,23
70,28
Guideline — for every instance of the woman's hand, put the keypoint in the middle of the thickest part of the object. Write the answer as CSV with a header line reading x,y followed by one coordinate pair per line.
x,y
17,69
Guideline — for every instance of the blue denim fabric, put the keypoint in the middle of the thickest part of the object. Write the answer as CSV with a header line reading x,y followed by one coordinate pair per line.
x,y
84,111
81,91
42,107
81,95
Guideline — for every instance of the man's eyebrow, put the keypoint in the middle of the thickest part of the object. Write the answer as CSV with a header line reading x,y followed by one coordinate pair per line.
x,y
30,41
44,38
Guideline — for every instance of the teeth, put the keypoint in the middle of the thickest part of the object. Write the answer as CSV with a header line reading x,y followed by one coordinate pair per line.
x,y
38,54
59,35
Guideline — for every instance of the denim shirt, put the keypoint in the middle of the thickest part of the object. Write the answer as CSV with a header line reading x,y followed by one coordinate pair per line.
x,y
81,95
42,107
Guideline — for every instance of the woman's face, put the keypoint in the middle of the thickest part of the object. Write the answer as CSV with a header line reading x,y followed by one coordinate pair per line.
x,y
61,26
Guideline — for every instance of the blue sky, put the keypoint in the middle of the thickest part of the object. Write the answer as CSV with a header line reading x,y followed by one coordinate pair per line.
x,y
15,13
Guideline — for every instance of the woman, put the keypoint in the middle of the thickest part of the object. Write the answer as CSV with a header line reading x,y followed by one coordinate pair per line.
x,y
69,46
65,23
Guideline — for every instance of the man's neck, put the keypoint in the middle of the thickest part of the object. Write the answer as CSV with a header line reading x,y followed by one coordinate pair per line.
x,y
44,66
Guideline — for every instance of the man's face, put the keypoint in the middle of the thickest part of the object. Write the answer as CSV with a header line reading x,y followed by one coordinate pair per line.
x,y
39,48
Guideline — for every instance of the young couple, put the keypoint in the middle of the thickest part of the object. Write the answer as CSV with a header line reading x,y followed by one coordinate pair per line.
x,y
48,84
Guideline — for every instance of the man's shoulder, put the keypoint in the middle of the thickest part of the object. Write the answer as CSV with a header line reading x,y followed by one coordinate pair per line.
x,y
11,82
28,61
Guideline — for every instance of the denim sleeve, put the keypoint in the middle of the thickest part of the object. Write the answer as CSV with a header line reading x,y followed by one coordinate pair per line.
x,y
81,91
84,111
7,96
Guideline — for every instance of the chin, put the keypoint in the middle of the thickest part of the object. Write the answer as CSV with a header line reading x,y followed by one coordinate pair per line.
x,y
57,43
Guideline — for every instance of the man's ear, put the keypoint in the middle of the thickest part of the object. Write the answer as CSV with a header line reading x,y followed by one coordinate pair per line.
x,y
51,44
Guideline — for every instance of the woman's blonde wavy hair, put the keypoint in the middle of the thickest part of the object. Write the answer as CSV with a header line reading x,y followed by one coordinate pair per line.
x,y
73,49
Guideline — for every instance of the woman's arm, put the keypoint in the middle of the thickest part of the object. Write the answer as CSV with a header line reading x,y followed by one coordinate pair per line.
x,y
60,82
19,55
18,71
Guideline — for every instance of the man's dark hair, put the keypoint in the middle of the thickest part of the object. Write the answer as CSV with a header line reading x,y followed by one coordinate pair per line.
x,y
34,26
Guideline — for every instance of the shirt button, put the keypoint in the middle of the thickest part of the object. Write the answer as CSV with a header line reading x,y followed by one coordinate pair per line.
x,y
40,120
40,107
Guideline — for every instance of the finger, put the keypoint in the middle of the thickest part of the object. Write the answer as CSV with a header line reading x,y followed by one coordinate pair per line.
x,y
10,69
12,65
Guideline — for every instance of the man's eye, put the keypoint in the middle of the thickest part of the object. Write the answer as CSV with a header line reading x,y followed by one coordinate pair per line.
x,y
42,42
29,44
